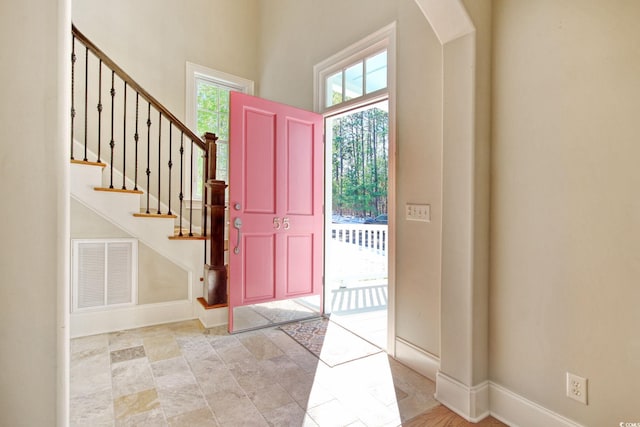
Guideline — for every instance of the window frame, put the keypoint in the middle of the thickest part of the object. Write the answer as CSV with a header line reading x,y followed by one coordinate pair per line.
x,y
376,43
384,38
195,72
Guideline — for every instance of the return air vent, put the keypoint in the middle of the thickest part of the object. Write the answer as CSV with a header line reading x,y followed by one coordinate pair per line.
x,y
105,273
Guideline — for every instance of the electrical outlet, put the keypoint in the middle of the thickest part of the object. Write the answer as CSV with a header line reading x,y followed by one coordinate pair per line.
x,y
416,212
577,388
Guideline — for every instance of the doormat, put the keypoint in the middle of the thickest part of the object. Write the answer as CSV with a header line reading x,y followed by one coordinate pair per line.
x,y
330,342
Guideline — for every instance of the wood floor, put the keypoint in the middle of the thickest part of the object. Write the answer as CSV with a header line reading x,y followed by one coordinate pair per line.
x,y
441,416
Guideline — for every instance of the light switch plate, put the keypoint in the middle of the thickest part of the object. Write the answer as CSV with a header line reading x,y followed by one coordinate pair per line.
x,y
418,212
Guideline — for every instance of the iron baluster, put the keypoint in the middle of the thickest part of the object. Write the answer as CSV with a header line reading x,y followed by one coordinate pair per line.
x,y
112,144
86,96
181,196
170,164
99,108
159,156
73,76
191,194
148,152
103,59
135,138
124,138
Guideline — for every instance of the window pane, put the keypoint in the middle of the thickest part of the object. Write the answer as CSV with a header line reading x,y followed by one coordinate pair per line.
x,y
334,89
353,81
197,189
212,115
224,100
207,122
207,96
212,109
376,78
222,150
223,128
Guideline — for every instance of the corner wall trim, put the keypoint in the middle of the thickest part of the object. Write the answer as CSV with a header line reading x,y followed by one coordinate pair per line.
x,y
471,403
416,358
516,410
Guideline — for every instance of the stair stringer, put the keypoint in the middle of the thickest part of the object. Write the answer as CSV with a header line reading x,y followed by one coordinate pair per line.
x,y
118,208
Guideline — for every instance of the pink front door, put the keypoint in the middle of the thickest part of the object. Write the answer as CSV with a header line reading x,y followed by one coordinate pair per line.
x,y
276,167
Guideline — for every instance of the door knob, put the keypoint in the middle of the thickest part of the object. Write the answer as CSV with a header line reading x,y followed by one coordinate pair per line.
x,y
237,224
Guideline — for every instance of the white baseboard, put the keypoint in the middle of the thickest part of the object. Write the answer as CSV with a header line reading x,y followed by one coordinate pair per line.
x,y
417,359
471,403
515,410
99,322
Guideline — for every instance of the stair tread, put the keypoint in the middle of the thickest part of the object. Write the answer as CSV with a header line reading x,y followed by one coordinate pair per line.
x,y
209,307
88,163
154,215
185,236
117,190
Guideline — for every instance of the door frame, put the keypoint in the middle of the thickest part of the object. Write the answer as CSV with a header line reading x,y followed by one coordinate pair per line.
x,y
385,37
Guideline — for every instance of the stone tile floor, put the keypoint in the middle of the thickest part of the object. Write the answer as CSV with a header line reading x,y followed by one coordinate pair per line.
x,y
184,375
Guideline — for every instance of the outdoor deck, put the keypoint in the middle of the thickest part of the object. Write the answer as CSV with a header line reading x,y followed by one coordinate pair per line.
x,y
356,286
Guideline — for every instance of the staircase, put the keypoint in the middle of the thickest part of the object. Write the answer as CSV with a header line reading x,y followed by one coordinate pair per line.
x,y
132,164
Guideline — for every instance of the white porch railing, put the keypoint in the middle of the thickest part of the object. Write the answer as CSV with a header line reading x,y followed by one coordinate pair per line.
x,y
373,237
357,267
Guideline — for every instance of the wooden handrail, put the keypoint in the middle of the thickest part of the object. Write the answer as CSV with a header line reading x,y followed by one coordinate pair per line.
x,y
133,84
213,191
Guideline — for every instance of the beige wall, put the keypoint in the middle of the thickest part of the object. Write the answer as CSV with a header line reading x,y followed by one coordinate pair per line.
x,y
159,279
153,39
418,179
565,224
35,195
295,36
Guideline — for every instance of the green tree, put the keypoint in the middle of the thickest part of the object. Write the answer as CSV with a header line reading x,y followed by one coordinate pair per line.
x,y
360,163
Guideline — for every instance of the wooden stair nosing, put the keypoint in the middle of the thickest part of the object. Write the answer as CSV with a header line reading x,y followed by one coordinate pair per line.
x,y
88,163
209,307
154,215
187,237
117,190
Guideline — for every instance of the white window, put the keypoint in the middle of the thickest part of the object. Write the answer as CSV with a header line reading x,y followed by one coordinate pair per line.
x,y
365,77
105,273
207,104
356,75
